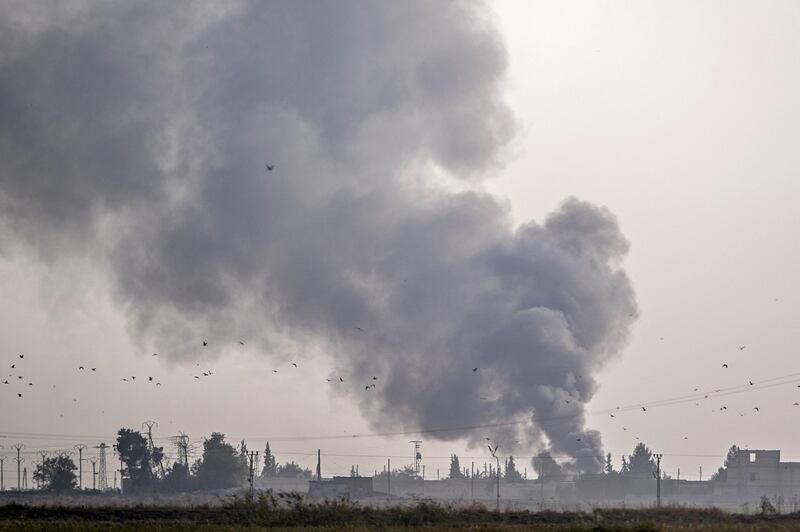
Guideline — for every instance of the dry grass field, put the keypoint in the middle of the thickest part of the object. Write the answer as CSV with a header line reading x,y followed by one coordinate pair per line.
x,y
283,513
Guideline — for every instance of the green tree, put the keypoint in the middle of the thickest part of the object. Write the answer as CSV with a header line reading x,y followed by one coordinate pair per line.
x,y
609,467
292,470
270,466
137,457
221,465
455,467
546,467
56,473
511,470
641,463
730,460
625,468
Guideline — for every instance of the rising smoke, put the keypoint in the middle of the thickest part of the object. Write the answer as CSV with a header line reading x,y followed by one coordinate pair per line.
x,y
137,133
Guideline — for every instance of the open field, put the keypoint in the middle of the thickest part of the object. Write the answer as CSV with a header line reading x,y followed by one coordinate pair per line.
x,y
288,513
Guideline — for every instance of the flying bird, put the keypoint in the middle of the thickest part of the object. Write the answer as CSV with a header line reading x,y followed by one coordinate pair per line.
x,y
474,370
612,415
80,367
270,167
205,343
274,371
196,377
150,379
341,379
294,364
644,409
741,348
241,343
756,409
94,369
374,378
154,354
751,382
124,380
724,365
22,356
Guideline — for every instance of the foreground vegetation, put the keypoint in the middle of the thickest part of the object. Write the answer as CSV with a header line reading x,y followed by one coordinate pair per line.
x,y
289,511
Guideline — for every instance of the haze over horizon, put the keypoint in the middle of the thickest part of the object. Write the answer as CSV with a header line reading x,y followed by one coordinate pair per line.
x,y
420,221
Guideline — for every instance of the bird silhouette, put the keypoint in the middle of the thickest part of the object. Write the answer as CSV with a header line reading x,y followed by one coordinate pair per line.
x,y
158,384
270,167
19,395
795,404
756,409
133,378
644,409
341,379
205,343
241,343
359,329
274,371
150,379
685,437
196,377
751,382
80,367
474,370
724,365
612,415
327,380
94,369
155,354
22,356
124,380
13,366
294,364
374,378
741,348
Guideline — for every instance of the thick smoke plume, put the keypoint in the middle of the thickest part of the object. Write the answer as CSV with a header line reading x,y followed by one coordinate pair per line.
x,y
137,134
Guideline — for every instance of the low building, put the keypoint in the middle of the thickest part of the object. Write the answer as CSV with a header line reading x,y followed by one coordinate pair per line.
x,y
341,487
759,473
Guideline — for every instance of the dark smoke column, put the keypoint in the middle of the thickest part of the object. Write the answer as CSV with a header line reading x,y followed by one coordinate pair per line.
x,y
136,134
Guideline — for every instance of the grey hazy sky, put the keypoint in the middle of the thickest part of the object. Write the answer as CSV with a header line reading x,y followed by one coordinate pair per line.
x,y
679,118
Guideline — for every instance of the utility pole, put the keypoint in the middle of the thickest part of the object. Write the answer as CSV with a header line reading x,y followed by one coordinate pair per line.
x,y
497,474
182,443
102,473
121,472
80,448
253,456
472,481
389,476
2,467
43,454
150,424
94,473
19,448
319,464
417,456
657,456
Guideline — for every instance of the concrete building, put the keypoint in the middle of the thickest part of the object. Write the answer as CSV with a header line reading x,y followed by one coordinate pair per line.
x,y
759,473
